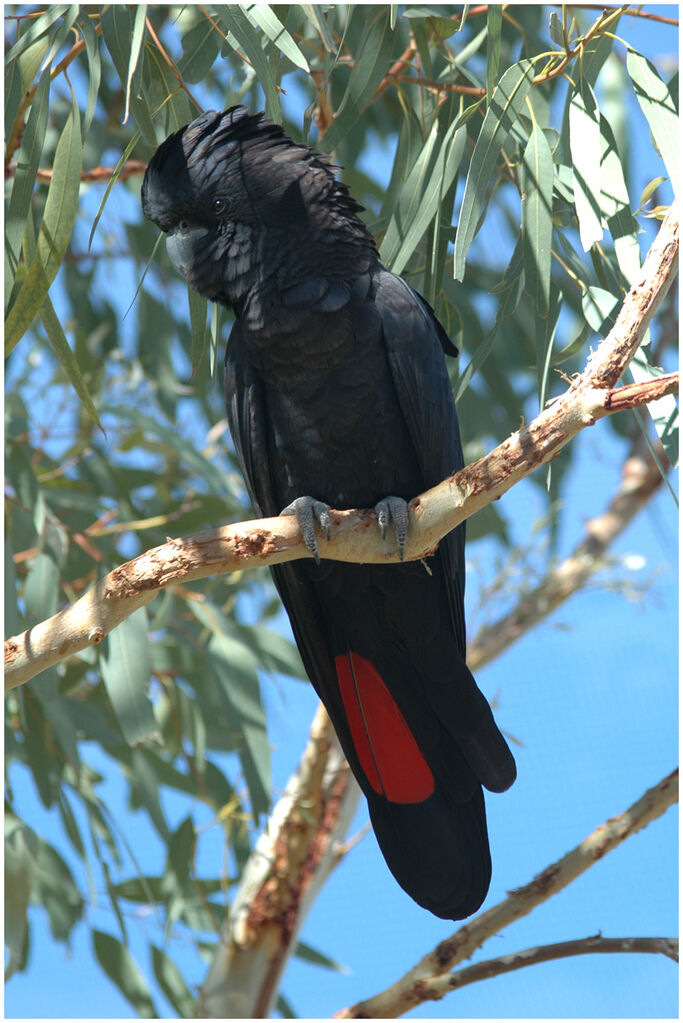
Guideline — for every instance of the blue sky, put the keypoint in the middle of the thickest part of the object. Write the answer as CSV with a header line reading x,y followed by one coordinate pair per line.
x,y
591,694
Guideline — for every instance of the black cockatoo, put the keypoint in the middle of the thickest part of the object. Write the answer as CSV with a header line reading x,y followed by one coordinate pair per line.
x,y
338,396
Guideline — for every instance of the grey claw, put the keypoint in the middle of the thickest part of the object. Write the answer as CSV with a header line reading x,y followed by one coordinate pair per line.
x,y
308,511
393,509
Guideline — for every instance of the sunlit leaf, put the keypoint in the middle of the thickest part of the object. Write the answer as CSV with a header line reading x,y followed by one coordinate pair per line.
x,y
584,138
265,18
658,106
506,103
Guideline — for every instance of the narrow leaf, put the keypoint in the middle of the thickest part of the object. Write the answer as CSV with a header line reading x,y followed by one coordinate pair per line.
x,y
121,968
376,49
506,104
125,670
584,140
659,109
170,980
265,18
69,363
537,221
25,178
55,231
494,26
236,22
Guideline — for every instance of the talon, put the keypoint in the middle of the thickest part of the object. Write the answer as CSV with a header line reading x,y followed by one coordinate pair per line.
x,y
308,511
393,509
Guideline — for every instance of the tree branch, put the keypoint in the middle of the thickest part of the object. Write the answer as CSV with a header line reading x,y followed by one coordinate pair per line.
x,y
438,987
591,396
409,991
292,860
640,478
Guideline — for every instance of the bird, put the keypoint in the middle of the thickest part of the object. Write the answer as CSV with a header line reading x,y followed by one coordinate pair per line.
x,y
338,396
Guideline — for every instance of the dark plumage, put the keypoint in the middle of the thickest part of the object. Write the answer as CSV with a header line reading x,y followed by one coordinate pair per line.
x,y
336,387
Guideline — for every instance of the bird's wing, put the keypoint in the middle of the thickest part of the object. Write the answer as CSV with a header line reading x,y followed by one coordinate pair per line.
x,y
416,342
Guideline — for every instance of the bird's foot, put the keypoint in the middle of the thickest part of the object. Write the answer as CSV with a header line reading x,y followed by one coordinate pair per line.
x,y
308,511
393,509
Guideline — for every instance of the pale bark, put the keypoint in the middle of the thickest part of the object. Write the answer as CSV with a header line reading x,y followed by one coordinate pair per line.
x,y
414,987
591,396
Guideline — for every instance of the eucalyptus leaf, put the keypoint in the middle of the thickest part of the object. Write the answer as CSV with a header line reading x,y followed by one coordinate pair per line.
x,y
506,103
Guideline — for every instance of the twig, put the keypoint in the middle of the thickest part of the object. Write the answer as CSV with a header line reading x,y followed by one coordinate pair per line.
x,y
438,987
640,478
97,174
174,70
632,12
408,992
591,396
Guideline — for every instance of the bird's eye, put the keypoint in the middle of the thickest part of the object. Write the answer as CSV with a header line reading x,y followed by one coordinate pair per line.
x,y
218,205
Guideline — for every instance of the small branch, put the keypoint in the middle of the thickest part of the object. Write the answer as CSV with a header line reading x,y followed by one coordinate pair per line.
x,y
438,987
591,396
631,12
174,70
408,992
97,174
640,478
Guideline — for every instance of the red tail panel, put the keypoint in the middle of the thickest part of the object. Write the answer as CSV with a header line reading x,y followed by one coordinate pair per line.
x,y
389,755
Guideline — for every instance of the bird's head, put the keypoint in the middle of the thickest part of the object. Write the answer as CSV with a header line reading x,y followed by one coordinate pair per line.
x,y
242,204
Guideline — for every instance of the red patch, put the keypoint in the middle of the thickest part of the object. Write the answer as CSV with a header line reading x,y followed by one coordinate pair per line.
x,y
388,753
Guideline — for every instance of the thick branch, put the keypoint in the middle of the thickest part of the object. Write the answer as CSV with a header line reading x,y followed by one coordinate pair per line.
x,y
409,991
640,478
438,987
289,865
433,514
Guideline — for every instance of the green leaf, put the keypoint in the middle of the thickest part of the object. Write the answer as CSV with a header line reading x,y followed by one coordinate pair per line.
x,y
55,231
649,190
36,30
494,27
312,955
234,667
537,220
374,54
615,205
170,980
265,18
41,588
19,876
664,411
110,184
316,16
92,50
125,670
118,29
145,783
29,155
584,140
429,180
200,328
200,49
555,30
506,104
135,47
121,968
659,109
69,363
235,20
